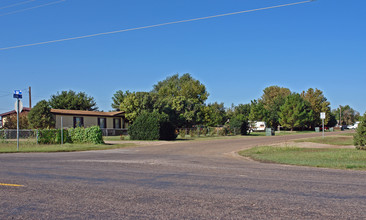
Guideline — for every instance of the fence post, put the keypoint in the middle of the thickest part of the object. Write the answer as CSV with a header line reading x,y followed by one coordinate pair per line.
x,y
62,133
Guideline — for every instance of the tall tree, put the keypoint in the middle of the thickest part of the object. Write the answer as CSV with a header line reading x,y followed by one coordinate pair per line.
x,y
73,101
182,98
118,98
295,112
40,116
318,104
272,99
214,114
136,103
257,111
348,115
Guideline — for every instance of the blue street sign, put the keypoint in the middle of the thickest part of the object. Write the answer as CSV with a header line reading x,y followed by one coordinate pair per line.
x,y
17,94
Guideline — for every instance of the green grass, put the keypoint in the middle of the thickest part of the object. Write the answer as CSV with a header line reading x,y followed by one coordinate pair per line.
x,y
314,157
332,140
26,147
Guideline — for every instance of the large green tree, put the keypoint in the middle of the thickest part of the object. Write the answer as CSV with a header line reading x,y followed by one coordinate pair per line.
x,y
295,112
136,103
40,116
182,98
73,101
214,114
318,104
272,99
118,98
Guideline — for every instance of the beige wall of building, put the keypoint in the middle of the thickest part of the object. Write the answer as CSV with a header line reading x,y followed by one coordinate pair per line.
x,y
68,121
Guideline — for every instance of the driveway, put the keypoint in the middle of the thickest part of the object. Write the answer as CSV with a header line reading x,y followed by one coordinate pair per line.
x,y
176,180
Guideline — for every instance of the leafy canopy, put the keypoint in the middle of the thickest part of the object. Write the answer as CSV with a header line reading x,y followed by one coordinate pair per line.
x,y
73,101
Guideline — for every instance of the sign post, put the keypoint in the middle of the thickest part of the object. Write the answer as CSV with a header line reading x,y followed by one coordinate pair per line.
x,y
18,108
322,117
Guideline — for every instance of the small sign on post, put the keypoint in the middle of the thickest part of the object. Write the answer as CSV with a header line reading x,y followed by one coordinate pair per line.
x,y
18,108
322,117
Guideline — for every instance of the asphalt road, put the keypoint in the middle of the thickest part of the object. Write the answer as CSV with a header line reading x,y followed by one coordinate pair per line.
x,y
185,180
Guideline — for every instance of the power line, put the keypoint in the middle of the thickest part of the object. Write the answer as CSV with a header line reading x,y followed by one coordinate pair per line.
x,y
19,3
27,9
155,25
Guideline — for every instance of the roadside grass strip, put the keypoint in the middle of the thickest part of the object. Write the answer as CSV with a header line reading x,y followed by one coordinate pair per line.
x,y
332,140
11,147
313,157
7,184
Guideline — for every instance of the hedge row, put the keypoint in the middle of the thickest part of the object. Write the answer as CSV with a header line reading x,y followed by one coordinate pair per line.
x,y
152,126
91,135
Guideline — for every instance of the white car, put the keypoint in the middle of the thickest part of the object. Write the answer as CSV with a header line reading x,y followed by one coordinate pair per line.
x,y
353,126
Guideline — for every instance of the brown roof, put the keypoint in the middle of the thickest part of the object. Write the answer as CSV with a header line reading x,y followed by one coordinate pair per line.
x,y
25,109
86,113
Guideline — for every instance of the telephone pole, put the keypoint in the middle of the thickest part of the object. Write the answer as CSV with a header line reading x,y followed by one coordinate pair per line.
x,y
30,97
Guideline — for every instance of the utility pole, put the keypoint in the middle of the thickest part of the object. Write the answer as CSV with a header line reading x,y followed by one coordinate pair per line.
x,y
30,97
340,115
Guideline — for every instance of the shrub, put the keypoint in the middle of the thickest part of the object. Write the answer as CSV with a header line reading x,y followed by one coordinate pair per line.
x,y
47,136
94,135
145,127
360,136
182,132
193,132
152,126
52,136
77,135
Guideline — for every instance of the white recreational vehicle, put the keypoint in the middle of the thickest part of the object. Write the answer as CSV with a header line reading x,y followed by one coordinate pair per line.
x,y
258,126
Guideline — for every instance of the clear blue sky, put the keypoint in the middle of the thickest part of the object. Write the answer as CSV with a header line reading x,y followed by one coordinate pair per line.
x,y
321,45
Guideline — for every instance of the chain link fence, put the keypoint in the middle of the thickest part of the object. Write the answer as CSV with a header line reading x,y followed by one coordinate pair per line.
x,y
24,135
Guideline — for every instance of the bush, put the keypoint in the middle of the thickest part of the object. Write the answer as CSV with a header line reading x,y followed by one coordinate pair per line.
x,y
94,135
152,126
193,132
77,135
360,136
239,123
47,136
182,132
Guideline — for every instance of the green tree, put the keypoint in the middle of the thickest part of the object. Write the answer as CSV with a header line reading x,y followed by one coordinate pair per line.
x,y
257,111
40,116
272,99
295,112
118,98
72,101
214,114
136,103
348,115
182,98
360,136
318,104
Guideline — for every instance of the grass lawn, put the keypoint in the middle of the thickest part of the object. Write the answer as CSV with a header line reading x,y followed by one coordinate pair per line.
x,y
11,147
323,157
332,140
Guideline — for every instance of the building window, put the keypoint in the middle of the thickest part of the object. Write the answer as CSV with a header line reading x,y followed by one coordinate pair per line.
x,y
102,122
78,122
117,123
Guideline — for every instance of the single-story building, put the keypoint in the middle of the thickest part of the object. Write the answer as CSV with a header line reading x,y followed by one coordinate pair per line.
x,y
6,115
111,123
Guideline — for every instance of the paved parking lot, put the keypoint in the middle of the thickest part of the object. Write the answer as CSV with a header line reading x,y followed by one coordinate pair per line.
x,y
184,180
